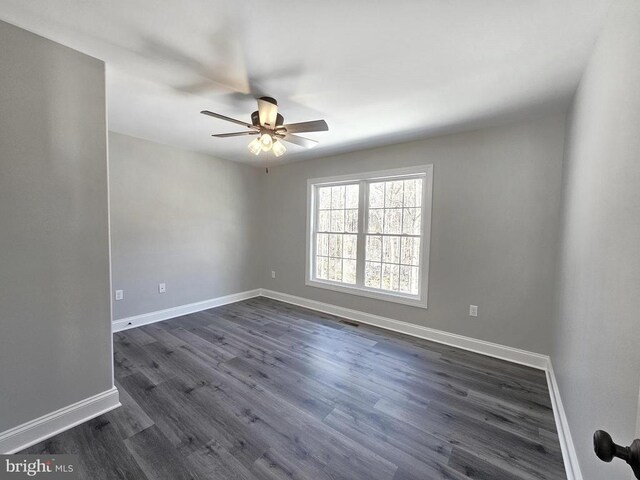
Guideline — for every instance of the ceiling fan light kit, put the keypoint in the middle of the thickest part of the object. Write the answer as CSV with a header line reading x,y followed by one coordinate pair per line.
x,y
269,125
278,148
266,141
255,146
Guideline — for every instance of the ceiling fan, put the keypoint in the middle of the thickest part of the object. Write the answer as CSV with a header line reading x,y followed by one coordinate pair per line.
x,y
269,125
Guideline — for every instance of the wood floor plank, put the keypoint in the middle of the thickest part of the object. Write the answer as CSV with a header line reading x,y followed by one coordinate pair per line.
x,y
295,389
523,458
426,465
158,459
274,465
263,390
130,419
102,455
475,467
406,438
217,462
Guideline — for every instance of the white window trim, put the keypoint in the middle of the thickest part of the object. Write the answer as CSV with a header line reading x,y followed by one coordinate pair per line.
x,y
417,301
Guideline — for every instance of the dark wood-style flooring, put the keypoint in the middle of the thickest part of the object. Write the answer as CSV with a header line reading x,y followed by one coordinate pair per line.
x,y
265,390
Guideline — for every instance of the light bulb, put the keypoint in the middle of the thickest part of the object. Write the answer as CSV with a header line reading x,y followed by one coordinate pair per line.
x,y
266,141
278,148
255,146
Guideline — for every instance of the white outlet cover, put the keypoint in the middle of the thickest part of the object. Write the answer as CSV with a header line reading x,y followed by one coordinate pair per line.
x,y
473,310
162,288
119,294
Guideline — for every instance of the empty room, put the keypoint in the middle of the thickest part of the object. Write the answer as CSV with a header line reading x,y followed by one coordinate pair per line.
x,y
343,240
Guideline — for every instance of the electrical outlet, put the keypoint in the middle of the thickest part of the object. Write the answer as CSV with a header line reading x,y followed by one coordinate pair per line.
x,y
273,274
119,294
162,288
473,310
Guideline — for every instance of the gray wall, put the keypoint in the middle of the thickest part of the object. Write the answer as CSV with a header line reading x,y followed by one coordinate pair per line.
x,y
55,330
183,218
495,227
596,353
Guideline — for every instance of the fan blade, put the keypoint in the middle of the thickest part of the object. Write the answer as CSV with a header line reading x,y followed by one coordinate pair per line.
x,y
268,111
228,119
236,134
313,126
303,142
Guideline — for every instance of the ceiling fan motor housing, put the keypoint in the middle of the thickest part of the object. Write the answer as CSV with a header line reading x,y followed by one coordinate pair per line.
x,y
255,119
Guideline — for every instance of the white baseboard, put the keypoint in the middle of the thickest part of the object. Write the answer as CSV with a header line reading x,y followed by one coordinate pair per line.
x,y
30,433
569,455
158,316
495,350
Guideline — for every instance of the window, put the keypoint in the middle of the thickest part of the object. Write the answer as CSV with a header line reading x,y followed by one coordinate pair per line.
x,y
369,234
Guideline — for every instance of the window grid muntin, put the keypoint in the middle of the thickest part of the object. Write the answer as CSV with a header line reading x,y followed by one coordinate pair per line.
x,y
362,233
318,258
415,270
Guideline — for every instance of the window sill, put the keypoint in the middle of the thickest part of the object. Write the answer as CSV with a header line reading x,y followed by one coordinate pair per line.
x,y
365,292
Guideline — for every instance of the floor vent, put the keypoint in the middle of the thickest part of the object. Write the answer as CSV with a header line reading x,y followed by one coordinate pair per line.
x,y
352,324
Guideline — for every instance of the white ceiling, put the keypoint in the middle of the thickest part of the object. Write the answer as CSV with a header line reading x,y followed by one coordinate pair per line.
x,y
379,71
